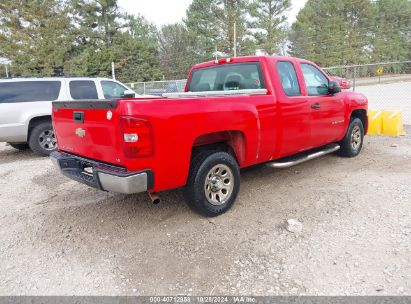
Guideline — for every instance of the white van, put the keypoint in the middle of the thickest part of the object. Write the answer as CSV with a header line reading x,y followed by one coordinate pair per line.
x,y
25,106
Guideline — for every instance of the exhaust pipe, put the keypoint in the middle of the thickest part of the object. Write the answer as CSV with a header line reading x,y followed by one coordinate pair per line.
x,y
155,198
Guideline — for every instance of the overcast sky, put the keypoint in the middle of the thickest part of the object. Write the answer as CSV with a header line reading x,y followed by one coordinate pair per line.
x,y
169,11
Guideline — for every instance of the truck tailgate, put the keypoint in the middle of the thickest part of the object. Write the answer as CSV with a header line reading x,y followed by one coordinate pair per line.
x,y
90,129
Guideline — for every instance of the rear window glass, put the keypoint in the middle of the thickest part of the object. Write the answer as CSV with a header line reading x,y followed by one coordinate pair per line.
x,y
83,89
239,76
27,91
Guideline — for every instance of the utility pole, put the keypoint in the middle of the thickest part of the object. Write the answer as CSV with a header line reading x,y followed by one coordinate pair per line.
x,y
7,71
235,39
113,71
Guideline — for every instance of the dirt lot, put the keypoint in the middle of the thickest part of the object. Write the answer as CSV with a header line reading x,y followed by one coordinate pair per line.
x,y
58,237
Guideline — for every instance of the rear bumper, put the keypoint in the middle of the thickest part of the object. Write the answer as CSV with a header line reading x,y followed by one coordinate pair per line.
x,y
102,176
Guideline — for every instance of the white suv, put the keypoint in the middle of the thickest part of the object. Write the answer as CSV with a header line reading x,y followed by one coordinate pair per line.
x,y
25,106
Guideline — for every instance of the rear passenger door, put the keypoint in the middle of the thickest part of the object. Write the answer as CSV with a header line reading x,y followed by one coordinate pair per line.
x,y
20,101
327,111
294,126
82,89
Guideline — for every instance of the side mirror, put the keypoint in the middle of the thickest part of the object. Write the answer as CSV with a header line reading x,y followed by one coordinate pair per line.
x,y
334,87
129,94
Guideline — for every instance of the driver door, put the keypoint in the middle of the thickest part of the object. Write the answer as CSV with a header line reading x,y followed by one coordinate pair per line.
x,y
327,110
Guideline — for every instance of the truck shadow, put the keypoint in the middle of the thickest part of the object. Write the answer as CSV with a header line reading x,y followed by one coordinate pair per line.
x,y
91,206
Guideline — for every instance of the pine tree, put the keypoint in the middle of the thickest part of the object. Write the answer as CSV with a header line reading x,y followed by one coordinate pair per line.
x,y
358,28
332,32
35,36
106,35
97,21
178,51
135,59
391,31
234,18
213,21
203,21
96,24
269,23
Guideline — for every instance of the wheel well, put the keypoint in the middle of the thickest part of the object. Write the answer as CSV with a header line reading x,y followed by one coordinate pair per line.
x,y
35,121
362,115
232,142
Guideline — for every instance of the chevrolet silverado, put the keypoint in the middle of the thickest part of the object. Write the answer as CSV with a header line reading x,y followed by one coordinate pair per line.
x,y
234,113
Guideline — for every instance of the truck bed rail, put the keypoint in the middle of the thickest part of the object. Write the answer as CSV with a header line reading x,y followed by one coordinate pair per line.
x,y
216,93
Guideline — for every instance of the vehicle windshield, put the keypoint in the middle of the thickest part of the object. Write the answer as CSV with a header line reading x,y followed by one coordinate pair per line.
x,y
239,76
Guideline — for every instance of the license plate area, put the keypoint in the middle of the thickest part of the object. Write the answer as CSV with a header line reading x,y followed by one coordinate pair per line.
x,y
75,164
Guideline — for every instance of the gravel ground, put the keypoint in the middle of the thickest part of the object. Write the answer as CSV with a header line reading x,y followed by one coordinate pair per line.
x,y
59,237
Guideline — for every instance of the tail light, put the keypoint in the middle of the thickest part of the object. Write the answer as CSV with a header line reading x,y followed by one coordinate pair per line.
x,y
137,137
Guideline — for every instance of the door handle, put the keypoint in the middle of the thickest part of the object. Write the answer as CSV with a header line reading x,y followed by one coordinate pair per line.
x,y
316,106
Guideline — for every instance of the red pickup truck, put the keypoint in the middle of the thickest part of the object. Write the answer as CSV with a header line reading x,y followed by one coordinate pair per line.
x,y
234,113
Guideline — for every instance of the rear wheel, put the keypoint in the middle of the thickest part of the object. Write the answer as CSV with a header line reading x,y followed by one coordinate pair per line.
x,y
21,146
352,142
213,183
42,140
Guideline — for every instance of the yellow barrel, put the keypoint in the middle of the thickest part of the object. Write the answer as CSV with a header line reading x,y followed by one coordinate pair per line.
x,y
374,122
392,123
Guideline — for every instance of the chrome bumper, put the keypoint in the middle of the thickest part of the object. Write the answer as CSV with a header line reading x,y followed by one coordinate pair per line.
x,y
102,176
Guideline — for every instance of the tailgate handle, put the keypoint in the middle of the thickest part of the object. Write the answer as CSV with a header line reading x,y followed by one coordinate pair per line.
x,y
78,117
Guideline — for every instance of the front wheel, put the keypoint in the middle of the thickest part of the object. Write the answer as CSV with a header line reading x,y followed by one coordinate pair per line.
x,y
352,142
213,183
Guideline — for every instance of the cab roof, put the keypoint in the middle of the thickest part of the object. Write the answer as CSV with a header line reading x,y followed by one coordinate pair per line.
x,y
244,59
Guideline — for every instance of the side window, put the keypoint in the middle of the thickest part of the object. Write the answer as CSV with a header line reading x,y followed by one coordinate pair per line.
x,y
83,89
316,82
112,89
27,91
288,78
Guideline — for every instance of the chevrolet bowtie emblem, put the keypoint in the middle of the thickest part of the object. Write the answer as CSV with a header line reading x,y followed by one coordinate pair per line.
x,y
80,132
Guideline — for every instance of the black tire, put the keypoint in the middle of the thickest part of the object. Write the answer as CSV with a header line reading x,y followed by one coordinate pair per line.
x,y
200,171
21,146
352,142
38,138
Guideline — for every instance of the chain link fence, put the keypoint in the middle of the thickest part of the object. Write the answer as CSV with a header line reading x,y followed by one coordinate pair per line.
x,y
158,88
387,85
